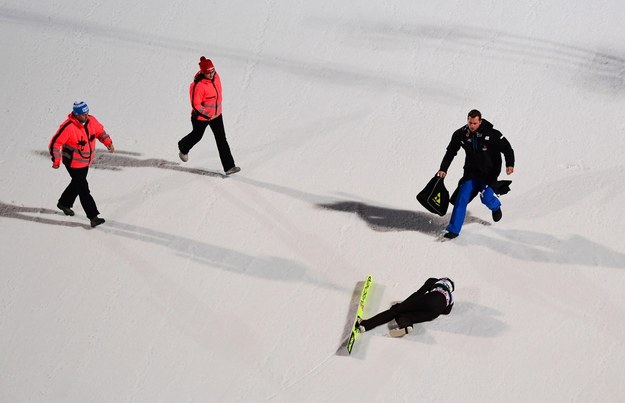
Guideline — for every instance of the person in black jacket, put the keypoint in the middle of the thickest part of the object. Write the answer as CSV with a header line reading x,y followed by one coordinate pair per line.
x,y
433,299
483,146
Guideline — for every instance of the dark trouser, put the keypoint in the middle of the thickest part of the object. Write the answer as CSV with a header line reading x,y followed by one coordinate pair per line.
x,y
414,309
217,126
79,187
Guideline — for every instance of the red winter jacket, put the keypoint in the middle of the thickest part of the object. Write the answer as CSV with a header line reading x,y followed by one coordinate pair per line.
x,y
75,142
205,96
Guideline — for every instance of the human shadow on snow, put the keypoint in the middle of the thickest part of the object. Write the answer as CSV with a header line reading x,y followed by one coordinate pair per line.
x,y
546,248
125,159
34,214
522,245
381,219
466,319
267,267
378,218
384,219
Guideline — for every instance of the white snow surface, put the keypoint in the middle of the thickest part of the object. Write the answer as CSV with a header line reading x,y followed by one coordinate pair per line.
x,y
202,288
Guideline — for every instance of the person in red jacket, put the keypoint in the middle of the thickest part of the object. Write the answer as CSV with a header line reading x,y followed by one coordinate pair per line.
x,y
206,95
74,145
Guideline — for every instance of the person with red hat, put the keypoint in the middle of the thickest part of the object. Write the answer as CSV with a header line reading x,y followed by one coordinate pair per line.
x,y
74,145
206,96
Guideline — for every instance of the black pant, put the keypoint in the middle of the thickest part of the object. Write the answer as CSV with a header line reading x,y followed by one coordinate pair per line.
x,y
79,187
416,308
217,126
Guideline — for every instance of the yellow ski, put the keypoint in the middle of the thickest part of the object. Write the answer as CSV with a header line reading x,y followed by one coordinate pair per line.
x,y
361,306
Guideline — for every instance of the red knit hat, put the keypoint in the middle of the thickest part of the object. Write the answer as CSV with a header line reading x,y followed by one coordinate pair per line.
x,y
206,65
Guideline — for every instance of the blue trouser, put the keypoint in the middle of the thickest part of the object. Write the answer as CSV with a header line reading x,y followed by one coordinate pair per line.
x,y
468,187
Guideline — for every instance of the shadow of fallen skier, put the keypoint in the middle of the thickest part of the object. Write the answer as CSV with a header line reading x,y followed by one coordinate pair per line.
x,y
468,319
384,219
126,159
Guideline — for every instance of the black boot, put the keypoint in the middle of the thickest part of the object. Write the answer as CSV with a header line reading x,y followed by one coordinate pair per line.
x,y
497,214
95,221
450,235
66,210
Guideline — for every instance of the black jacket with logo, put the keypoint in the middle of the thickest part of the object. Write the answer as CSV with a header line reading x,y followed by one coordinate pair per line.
x,y
483,150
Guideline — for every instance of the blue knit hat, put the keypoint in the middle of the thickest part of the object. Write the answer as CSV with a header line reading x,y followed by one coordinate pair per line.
x,y
80,108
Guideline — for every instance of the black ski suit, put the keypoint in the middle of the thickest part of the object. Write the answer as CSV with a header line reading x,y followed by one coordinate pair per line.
x,y
426,304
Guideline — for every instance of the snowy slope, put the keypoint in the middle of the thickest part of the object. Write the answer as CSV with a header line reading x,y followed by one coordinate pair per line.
x,y
205,288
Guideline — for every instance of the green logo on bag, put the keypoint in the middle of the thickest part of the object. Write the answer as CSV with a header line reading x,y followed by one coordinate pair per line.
x,y
437,199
